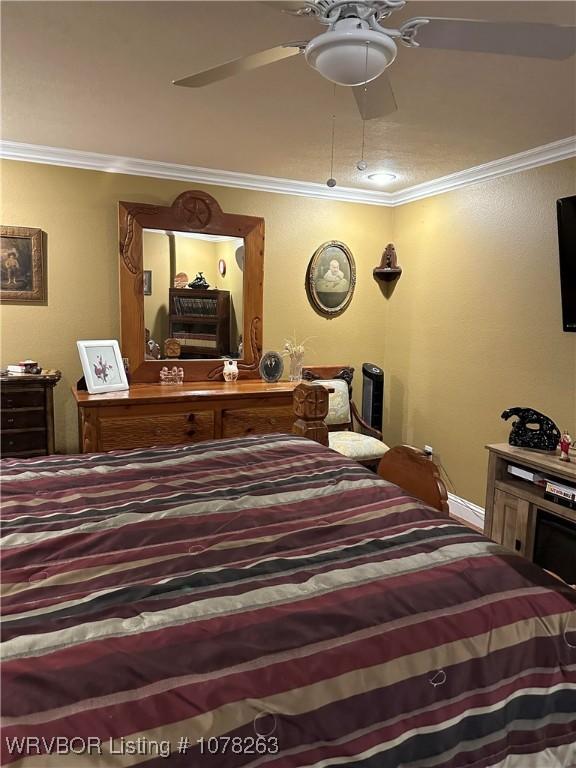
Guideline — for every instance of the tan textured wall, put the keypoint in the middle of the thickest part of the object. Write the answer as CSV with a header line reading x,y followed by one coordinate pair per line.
x,y
474,324
156,257
232,281
195,256
78,211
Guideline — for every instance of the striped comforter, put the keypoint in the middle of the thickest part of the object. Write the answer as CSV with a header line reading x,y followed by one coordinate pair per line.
x,y
266,602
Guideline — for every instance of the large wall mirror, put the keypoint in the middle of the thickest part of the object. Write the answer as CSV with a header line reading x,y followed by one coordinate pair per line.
x,y
191,288
193,294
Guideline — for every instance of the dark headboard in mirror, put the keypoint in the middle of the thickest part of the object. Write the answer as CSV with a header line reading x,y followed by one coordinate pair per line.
x,y
192,211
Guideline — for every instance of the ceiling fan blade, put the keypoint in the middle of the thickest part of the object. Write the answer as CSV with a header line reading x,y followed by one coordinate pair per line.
x,y
243,64
378,99
541,41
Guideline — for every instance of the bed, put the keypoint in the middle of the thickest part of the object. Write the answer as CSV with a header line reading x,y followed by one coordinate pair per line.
x,y
268,602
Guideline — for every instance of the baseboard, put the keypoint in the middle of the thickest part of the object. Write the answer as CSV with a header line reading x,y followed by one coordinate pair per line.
x,y
466,510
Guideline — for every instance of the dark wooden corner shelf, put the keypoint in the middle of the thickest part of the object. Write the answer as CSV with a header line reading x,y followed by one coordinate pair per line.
x,y
387,274
388,269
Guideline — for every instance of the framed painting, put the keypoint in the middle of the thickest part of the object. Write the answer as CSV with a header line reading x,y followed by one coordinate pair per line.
x,y
22,266
331,278
102,365
147,282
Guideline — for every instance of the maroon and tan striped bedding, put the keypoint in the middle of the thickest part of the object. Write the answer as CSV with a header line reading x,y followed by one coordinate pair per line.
x,y
155,598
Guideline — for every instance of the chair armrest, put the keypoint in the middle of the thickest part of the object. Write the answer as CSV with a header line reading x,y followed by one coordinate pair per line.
x,y
370,430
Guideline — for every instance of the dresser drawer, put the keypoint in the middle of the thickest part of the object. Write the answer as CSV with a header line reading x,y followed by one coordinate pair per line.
x,y
19,442
141,431
257,421
23,419
31,397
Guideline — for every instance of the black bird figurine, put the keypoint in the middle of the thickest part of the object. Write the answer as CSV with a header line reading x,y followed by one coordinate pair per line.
x,y
532,430
199,282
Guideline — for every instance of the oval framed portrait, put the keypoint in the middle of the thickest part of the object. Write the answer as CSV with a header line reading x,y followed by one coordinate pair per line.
x,y
331,278
271,367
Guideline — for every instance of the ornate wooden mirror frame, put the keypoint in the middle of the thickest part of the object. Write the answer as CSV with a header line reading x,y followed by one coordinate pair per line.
x,y
192,211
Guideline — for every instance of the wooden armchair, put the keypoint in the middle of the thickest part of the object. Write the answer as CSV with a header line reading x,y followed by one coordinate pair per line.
x,y
365,447
417,474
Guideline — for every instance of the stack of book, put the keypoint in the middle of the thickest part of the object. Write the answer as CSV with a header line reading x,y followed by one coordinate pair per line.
x,y
25,366
560,493
190,305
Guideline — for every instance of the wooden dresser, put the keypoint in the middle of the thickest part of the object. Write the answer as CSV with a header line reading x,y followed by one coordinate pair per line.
x,y
154,414
27,414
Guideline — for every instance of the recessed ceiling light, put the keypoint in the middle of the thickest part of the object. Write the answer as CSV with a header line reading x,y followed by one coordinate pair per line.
x,y
381,177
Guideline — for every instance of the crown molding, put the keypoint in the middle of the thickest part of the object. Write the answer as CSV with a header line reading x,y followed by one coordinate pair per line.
x,y
71,158
522,161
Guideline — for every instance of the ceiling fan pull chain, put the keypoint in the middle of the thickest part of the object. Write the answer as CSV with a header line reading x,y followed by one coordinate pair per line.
x,y
362,164
332,181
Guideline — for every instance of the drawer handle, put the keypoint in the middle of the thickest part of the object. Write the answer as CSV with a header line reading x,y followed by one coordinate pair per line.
x,y
191,432
10,442
10,420
191,416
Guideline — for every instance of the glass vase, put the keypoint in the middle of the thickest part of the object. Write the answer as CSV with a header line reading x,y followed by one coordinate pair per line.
x,y
296,363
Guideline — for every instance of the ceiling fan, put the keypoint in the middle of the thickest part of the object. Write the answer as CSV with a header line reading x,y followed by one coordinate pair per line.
x,y
356,48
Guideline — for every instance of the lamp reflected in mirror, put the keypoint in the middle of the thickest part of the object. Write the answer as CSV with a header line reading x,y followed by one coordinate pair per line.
x,y
207,322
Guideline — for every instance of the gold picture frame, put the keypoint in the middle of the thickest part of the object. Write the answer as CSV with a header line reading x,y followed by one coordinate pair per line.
x,y
22,266
331,278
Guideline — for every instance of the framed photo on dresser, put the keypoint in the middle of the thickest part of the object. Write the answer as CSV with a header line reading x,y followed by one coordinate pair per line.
x,y
102,365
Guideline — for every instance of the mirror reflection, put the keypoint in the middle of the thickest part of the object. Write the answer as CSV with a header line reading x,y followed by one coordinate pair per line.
x,y
193,295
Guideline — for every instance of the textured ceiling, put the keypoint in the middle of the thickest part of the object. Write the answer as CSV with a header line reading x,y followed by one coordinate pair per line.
x,y
97,76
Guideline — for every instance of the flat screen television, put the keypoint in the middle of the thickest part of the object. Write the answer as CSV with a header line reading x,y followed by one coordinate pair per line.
x,y
566,211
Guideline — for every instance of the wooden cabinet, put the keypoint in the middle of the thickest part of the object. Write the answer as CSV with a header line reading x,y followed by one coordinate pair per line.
x,y
513,504
27,415
510,521
151,414
200,320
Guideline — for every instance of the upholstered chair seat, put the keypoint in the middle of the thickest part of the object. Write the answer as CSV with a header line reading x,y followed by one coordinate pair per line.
x,y
366,447
357,446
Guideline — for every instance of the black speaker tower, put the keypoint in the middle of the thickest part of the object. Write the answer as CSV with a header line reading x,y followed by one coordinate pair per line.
x,y
372,395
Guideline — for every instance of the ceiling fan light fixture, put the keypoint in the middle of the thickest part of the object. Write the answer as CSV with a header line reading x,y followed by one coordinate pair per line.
x,y
381,177
351,53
